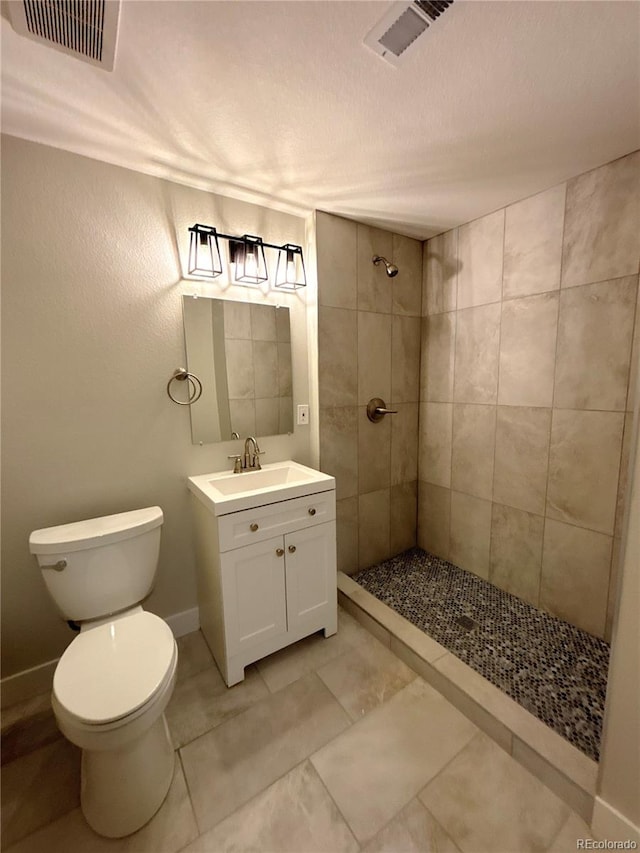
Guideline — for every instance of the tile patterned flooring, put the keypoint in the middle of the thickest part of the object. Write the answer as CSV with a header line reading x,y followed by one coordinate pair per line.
x,y
330,745
553,669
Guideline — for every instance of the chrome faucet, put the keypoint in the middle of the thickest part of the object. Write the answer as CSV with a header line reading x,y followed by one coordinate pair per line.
x,y
251,459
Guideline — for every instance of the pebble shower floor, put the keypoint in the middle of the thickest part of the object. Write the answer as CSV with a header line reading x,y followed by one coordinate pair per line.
x,y
553,669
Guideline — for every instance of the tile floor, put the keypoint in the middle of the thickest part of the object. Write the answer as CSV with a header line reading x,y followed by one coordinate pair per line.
x,y
330,745
553,669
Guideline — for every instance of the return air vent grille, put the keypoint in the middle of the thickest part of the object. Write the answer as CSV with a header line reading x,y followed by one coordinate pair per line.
x,y
86,29
402,25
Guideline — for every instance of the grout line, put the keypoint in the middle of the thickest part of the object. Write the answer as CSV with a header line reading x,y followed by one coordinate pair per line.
x,y
338,809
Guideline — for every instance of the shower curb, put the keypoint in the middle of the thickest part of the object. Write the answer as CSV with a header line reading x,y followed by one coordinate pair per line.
x,y
557,763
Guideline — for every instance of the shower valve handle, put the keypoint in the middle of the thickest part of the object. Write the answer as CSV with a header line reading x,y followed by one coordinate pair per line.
x,y
377,409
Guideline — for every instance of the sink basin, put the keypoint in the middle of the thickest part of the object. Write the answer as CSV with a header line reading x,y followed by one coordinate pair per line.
x,y
225,492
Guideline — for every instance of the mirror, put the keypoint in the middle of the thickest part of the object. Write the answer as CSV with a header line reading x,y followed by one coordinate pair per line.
x,y
241,352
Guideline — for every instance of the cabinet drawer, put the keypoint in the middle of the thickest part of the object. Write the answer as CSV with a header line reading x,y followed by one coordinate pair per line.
x,y
254,525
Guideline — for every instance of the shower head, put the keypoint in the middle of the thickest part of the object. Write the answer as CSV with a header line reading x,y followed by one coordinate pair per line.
x,y
392,269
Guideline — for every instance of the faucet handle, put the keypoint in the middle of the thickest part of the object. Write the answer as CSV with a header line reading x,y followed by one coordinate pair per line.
x,y
237,462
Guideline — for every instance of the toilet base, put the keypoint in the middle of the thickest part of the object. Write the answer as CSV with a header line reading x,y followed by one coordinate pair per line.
x,y
122,789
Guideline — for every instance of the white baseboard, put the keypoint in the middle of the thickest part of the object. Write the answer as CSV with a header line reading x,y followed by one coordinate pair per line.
x,y
28,683
39,679
608,824
184,622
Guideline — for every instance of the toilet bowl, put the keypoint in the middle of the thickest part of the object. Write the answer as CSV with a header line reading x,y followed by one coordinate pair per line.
x,y
114,681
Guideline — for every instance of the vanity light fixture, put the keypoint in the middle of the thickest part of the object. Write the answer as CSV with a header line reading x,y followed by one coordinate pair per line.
x,y
204,251
290,272
247,258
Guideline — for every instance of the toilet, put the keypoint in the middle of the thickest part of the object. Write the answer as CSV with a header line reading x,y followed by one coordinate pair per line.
x,y
114,681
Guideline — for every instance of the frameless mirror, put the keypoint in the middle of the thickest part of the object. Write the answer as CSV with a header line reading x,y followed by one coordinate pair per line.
x,y
241,352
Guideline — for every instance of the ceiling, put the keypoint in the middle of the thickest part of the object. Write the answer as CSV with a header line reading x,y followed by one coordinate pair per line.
x,y
282,104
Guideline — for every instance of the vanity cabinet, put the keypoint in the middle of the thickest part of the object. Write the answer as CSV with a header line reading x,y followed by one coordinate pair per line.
x,y
266,577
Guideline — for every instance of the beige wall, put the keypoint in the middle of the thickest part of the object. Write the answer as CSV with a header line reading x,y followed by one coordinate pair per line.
x,y
525,411
369,346
92,272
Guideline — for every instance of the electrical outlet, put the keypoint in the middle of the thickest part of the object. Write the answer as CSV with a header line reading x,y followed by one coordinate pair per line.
x,y
303,414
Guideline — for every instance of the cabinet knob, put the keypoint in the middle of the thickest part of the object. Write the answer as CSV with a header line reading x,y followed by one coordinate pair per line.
x,y
253,527
292,549
312,510
279,552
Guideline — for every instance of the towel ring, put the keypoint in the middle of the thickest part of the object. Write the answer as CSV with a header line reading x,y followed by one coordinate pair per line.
x,y
195,386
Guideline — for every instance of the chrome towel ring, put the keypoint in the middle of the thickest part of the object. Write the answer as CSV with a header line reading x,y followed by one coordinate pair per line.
x,y
195,386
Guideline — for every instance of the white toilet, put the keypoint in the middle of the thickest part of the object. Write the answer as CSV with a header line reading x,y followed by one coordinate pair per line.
x,y
114,681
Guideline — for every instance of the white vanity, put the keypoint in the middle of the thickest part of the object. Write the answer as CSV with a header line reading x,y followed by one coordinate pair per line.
x,y
266,560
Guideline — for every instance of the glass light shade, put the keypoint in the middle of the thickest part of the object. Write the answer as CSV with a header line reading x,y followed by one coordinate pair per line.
x,y
204,252
290,272
247,256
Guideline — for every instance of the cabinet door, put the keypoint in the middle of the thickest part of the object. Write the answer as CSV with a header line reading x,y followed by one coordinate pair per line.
x,y
253,583
311,576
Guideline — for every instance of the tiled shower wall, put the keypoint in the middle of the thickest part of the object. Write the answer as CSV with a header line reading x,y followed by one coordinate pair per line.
x,y
525,401
369,346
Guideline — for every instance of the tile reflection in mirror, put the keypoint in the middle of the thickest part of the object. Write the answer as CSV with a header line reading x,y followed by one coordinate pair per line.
x,y
242,354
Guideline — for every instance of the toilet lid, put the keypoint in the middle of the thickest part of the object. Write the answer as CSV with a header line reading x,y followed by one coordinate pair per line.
x,y
112,670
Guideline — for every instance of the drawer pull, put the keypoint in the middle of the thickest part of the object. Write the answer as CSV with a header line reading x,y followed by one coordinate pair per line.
x,y
279,552
292,549
312,510
253,527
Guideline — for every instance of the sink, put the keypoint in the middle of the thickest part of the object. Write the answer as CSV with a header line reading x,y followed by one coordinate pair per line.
x,y
224,492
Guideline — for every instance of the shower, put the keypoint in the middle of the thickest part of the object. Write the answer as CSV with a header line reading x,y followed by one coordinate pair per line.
x,y
392,269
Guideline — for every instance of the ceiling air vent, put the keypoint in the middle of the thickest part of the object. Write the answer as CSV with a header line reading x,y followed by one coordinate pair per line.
x,y
86,29
401,26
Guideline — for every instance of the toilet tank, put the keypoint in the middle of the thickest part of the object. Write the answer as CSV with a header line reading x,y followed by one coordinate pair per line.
x,y
97,567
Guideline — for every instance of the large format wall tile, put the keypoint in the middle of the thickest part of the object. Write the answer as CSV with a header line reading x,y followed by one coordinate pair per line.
x,y
480,245
403,519
602,224
470,533
476,365
516,552
434,517
337,270
347,535
533,243
265,359
440,273
406,287
339,447
522,457
595,333
374,453
527,350
575,575
405,359
404,443
374,285
584,462
472,449
373,527
263,323
338,356
434,459
374,356
437,357
241,375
